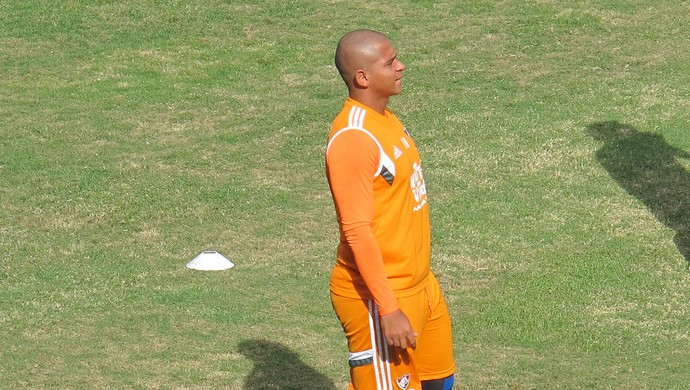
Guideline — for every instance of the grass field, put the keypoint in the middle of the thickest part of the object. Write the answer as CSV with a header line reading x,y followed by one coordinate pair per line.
x,y
134,135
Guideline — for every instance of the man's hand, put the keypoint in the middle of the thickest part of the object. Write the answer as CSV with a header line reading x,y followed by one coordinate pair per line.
x,y
398,331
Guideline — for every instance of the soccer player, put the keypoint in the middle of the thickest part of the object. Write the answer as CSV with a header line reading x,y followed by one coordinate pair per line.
x,y
387,299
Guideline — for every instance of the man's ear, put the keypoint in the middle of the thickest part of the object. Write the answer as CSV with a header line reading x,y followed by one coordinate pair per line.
x,y
360,79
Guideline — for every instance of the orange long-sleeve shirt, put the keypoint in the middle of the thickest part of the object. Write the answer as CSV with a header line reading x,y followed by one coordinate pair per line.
x,y
375,175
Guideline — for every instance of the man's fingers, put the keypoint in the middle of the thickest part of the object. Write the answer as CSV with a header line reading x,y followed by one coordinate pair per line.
x,y
393,342
398,331
412,341
403,342
397,342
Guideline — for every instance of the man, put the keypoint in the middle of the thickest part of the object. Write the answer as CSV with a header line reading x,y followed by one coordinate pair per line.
x,y
388,301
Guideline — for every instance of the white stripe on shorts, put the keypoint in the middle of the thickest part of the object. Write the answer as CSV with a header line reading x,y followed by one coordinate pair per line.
x,y
379,344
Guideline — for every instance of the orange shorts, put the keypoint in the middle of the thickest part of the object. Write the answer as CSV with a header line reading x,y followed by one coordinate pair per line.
x,y
375,366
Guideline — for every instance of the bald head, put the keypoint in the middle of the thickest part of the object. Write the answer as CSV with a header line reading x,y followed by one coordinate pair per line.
x,y
356,50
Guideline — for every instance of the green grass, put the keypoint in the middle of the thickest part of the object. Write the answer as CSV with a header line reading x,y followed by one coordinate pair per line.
x,y
134,135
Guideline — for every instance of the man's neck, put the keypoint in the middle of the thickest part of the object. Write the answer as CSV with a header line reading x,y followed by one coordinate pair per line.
x,y
377,104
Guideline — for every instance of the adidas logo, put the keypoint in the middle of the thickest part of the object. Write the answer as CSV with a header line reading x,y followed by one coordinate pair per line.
x,y
396,152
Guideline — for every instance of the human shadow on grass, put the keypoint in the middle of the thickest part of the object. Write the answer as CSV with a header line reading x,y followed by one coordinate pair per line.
x,y
276,367
648,167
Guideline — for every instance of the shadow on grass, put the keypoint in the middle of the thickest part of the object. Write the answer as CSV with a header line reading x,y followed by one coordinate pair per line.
x,y
277,367
647,167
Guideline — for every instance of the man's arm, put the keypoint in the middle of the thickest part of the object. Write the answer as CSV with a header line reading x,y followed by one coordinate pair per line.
x,y
352,161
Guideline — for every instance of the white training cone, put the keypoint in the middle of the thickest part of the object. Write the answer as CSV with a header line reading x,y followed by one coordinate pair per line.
x,y
210,261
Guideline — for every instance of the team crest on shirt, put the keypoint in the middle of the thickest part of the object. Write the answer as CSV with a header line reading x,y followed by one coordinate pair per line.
x,y
403,381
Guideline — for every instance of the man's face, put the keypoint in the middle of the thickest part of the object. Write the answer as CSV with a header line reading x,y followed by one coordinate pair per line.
x,y
385,71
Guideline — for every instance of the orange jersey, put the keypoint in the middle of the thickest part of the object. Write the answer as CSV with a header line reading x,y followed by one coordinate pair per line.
x,y
375,175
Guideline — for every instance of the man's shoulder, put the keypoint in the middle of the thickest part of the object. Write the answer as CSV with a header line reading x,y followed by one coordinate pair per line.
x,y
358,116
